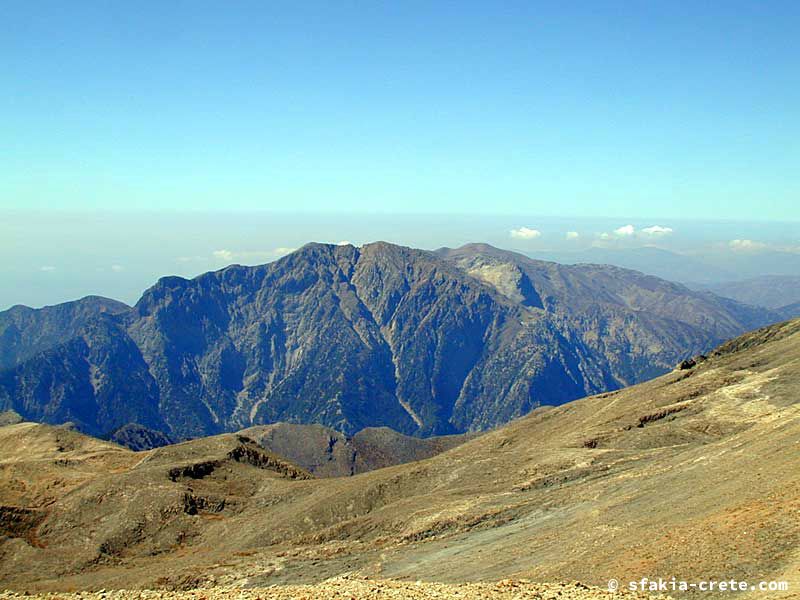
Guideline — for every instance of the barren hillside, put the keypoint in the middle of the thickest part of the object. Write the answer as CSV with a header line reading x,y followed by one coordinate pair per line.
x,y
693,474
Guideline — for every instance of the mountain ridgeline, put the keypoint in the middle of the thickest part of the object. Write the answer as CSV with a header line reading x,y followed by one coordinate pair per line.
x,y
426,343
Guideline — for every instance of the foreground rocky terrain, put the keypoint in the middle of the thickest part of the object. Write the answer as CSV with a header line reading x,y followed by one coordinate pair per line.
x,y
361,588
693,475
424,343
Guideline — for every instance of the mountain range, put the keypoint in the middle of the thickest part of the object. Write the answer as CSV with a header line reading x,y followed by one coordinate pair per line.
x,y
426,343
778,292
698,269
659,262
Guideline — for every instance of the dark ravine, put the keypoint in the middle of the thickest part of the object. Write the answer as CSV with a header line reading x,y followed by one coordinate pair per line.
x,y
426,343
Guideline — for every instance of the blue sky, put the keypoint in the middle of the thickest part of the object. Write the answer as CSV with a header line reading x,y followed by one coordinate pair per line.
x,y
588,109
152,138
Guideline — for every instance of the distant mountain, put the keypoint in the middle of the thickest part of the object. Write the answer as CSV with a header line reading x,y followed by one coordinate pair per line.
x,y
24,332
789,311
695,270
650,260
748,265
576,289
425,343
771,291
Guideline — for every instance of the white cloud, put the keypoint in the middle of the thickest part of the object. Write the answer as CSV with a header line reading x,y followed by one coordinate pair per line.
x,y
628,234
746,245
47,269
525,233
573,235
657,231
223,254
344,243
117,268
283,251
624,231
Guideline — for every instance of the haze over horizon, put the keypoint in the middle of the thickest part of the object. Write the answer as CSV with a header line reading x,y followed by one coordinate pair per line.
x,y
64,256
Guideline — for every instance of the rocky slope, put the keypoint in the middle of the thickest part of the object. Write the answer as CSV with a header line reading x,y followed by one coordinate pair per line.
x,y
138,437
425,343
691,475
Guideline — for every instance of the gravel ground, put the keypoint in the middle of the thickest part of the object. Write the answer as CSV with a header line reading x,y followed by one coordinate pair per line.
x,y
355,588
